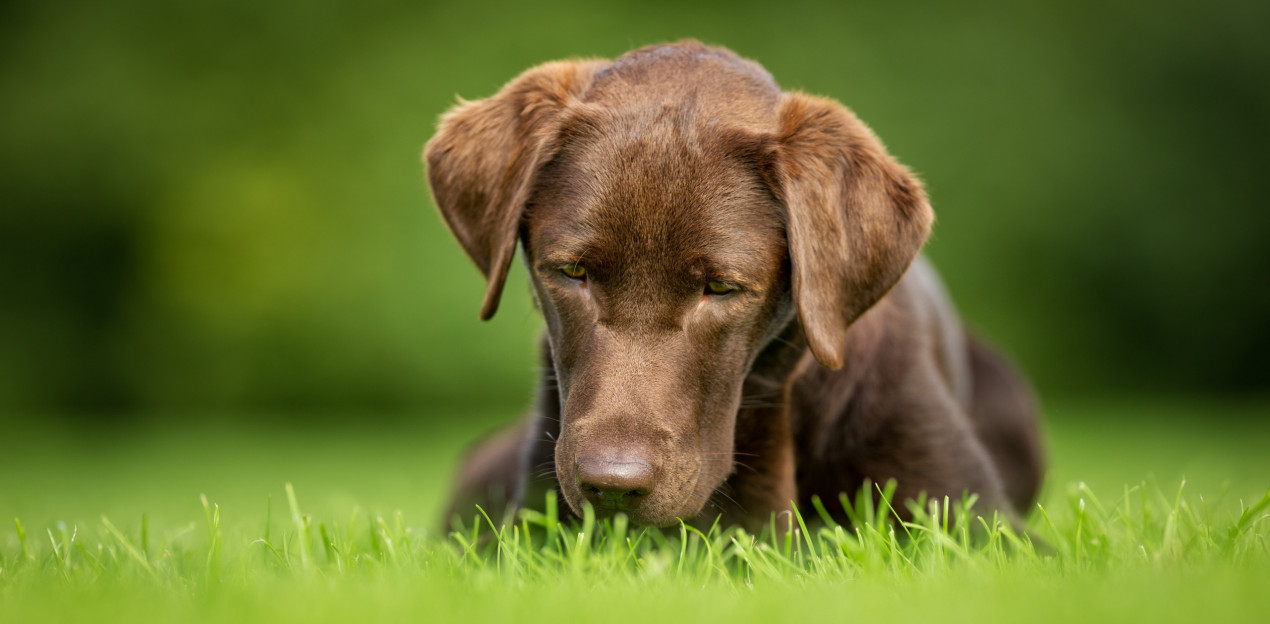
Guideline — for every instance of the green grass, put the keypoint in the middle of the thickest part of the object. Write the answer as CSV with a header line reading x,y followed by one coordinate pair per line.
x,y
112,527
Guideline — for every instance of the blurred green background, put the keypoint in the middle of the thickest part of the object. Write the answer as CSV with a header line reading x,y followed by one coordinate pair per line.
x,y
219,207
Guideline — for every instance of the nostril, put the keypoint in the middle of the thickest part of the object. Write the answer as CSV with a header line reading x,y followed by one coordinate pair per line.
x,y
615,481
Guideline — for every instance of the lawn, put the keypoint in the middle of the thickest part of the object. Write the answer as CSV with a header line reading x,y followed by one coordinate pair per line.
x,y
113,527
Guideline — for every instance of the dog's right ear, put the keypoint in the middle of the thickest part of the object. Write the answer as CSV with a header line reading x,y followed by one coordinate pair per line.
x,y
483,160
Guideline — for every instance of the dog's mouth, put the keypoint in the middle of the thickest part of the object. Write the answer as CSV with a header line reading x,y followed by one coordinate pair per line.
x,y
641,512
679,491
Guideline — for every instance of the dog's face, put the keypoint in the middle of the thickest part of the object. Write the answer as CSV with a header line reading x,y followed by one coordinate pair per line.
x,y
659,263
676,211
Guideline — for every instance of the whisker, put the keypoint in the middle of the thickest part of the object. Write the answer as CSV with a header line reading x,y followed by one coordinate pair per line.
x,y
727,497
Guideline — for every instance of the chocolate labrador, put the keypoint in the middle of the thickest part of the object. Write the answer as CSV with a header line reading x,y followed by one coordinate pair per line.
x,y
737,318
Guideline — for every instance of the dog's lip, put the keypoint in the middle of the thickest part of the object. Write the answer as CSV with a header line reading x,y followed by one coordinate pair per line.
x,y
687,506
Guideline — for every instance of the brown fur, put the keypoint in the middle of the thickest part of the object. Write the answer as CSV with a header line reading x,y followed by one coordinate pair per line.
x,y
834,359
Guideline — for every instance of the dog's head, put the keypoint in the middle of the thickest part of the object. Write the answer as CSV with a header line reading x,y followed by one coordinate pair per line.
x,y
677,211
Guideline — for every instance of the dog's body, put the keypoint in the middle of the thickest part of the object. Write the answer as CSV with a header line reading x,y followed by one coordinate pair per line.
x,y
735,321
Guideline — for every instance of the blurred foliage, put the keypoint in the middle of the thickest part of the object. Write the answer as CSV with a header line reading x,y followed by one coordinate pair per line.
x,y
221,204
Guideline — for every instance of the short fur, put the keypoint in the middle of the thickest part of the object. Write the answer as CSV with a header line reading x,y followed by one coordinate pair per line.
x,y
835,358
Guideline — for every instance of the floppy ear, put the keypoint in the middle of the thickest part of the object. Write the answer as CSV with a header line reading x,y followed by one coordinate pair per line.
x,y
484,158
856,217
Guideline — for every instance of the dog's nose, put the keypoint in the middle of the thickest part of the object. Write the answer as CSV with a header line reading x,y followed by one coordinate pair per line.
x,y
615,482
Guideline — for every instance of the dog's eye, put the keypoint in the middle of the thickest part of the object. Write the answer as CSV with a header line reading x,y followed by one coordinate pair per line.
x,y
718,288
574,270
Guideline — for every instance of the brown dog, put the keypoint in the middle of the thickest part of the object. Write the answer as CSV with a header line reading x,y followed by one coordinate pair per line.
x,y
735,321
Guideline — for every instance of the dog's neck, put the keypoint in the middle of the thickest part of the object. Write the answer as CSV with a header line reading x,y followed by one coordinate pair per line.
x,y
764,474
767,433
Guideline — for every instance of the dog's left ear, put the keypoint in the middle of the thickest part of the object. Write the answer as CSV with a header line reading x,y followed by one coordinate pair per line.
x,y
856,217
485,156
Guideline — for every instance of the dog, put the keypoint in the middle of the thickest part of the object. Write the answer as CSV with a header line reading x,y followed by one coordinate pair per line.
x,y
737,315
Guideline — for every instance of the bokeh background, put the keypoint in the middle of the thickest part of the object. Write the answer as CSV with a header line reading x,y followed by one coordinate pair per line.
x,y
215,213
220,205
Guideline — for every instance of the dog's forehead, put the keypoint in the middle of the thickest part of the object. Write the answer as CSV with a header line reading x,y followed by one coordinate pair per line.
x,y
652,168
660,197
